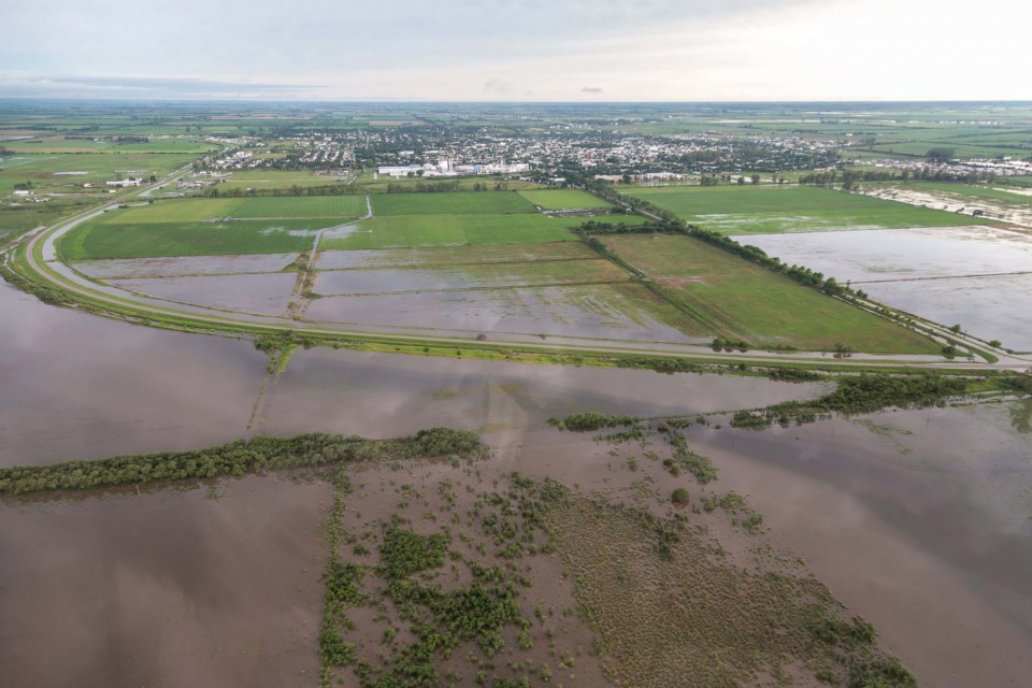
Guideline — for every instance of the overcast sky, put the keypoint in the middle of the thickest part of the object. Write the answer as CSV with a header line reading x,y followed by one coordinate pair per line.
x,y
477,50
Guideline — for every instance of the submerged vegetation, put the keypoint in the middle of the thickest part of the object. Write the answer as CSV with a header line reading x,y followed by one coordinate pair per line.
x,y
236,459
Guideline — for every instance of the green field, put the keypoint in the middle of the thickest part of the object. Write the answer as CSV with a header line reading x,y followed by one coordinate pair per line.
x,y
565,199
743,300
454,203
51,173
334,208
96,240
773,209
455,230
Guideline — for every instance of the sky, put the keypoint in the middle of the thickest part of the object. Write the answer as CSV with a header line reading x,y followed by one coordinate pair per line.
x,y
525,50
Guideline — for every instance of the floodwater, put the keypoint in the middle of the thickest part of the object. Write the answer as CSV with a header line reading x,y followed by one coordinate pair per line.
x,y
76,386
385,395
262,294
165,589
595,311
893,254
188,265
979,277
921,521
991,307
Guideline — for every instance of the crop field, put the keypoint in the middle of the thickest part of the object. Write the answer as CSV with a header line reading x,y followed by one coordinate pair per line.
x,y
773,209
336,208
997,194
457,203
453,255
95,240
532,273
618,311
454,230
565,199
747,301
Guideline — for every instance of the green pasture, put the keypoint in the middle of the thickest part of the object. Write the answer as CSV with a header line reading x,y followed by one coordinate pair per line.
x,y
454,230
451,203
743,300
564,199
96,240
769,209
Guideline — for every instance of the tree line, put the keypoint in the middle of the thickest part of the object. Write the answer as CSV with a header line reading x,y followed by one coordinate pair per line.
x,y
236,459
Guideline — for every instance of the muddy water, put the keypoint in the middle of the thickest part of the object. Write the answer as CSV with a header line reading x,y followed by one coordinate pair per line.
x,y
264,294
598,311
894,254
920,521
990,307
187,265
75,386
384,395
165,589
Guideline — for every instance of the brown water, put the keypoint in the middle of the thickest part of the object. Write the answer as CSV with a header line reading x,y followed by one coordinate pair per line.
x,y
607,311
385,395
264,294
167,589
921,521
75,386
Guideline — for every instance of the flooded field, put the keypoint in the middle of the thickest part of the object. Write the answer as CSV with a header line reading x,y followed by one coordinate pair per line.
x,y
263,294
194,588
895,512
343,282
76,386
445,255
188,265
975,276
889,254
616,311
940,499
990,307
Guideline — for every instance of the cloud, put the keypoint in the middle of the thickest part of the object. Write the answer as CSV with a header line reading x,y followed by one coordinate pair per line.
x,y
591,89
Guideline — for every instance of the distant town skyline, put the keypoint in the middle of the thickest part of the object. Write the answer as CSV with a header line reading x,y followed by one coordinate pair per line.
x,y
460,50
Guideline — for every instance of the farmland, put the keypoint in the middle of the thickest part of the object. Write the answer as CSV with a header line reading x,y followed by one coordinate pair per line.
x,y
742,300
768,209
451,203
454,230
565,199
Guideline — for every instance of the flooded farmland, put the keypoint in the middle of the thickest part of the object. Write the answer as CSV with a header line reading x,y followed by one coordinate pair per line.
x,y
604,311
261,294
978,277
941,499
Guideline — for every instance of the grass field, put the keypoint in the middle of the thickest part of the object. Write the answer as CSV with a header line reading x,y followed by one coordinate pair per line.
x,y
454,230
457,203
564,199
747,301
331,208
51,173
96,240
773,209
